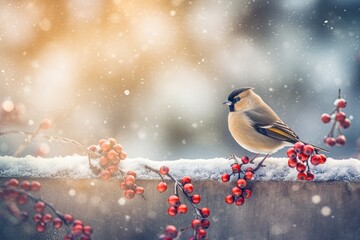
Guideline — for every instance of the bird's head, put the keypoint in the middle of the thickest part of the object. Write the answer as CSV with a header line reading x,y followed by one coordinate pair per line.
x,y
236,98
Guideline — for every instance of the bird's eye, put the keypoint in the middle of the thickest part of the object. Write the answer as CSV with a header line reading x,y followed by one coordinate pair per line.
x,y
237,99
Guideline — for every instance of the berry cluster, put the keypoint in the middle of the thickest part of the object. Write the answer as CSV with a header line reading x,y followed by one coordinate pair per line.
x,y
340,121
130,187
241,191
16,195
108,154
200,223
299,157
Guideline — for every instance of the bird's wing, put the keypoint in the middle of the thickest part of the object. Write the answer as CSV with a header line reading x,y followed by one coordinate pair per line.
x,y
276,130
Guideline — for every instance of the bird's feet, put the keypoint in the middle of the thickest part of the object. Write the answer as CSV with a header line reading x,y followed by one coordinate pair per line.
x,y
233,156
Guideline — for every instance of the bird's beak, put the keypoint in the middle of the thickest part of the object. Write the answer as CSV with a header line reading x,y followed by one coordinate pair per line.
x,y
227,102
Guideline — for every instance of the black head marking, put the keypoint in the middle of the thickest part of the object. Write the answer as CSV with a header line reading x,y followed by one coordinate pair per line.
x,y
234,99
237,92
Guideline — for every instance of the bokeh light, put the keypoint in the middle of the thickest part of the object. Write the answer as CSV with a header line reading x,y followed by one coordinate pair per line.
x,y
154,74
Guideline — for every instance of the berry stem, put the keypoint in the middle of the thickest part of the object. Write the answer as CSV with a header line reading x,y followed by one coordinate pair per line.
x,y
177,184
260,163
252,160
26,142
49,138
37,199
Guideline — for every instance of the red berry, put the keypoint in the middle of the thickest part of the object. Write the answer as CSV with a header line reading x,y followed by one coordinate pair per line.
x,y
35,186
308,150
37,217
139,190
133,173
291,153
240,201
25,185
130,180
39,206
185,180
249,175
112,154
205,212
12,183
57,223
298,147
77,228
88,230
182,208
112,169
101,141
229,199
174,200
200,234
302,176
310,176
22,199
188,188
105,174
330,141
247,193
105,146
116,161
112,141
245,160
129,194
164,170
196,198
118,148
225,177
340,103
161,187
68,218
40,227
77,221
340,116
123,185
196,224
205,224
236,191
235,168
249,169
292,163
325,118
122,155
103,161
346,123
92,148
322,158
45,124
241,183
47,218
172,211
302,157
340,140
171,231
69,236
315,159
300,167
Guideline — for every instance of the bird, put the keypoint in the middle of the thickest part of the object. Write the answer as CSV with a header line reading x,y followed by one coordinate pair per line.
x,y
255,126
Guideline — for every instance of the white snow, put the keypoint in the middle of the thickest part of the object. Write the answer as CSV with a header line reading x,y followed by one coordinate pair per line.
x,y
76,167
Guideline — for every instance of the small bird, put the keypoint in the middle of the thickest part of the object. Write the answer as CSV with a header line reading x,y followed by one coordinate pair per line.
x,y
255,126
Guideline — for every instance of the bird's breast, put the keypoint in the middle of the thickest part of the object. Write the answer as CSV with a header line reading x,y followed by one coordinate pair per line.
x,y
241,129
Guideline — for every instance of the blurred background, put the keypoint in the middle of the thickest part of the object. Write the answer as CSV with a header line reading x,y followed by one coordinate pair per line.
x,y
154,74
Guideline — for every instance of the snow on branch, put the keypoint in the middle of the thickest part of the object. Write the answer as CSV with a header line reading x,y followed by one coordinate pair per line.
x,y
77,167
